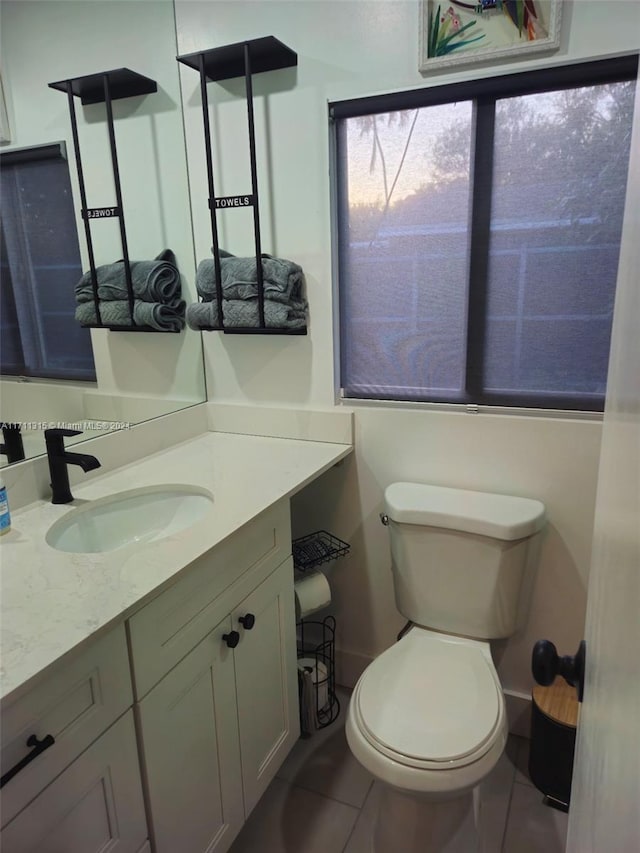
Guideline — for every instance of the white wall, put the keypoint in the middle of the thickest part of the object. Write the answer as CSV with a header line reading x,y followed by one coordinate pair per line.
x,y
36,404
41,401
349,49
54,40
553,460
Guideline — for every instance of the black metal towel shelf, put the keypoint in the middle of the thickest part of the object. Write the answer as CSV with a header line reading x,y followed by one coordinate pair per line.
x,y
105,87
223,63
317,548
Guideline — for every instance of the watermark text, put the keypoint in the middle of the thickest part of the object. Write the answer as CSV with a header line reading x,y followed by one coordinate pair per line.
x,y
81,426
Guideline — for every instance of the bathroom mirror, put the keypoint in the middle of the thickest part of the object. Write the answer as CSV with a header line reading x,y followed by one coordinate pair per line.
x,y
118,378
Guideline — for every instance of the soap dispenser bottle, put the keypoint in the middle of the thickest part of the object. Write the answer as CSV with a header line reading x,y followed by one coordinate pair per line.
x,y
5,515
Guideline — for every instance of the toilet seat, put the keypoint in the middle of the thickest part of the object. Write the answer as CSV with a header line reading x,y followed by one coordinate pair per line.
x,y
431,701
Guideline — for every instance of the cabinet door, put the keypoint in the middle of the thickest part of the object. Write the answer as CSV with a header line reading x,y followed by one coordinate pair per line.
x,y
189,739
167,628
266,681
74,703
94,806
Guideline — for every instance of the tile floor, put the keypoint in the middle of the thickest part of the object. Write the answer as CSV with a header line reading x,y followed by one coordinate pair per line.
x,y
323,801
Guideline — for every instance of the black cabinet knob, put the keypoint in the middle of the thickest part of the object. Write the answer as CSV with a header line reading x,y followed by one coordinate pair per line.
x,y
546,664
247,621
231,639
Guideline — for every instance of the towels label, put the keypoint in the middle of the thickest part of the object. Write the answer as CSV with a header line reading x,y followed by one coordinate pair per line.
x,y
234,201
100,212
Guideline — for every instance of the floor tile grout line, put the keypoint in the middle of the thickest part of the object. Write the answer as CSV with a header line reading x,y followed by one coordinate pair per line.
x,y
506,822
324,796
327,796
353,828
349,837
522,767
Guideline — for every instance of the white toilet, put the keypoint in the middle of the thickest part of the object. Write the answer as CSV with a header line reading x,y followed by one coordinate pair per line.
x,y
427,717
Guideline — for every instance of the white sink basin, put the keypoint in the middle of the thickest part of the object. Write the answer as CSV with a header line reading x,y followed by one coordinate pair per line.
x,y
139,515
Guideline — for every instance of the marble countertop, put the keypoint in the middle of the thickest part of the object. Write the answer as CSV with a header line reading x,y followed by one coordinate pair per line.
x,y
52,601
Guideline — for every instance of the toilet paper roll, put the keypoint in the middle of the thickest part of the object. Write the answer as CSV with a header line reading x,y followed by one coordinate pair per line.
x,y
312,593
319,678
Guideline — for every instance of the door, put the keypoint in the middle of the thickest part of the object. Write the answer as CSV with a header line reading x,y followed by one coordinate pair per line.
x,y
191,755
605,796
94,805
266,680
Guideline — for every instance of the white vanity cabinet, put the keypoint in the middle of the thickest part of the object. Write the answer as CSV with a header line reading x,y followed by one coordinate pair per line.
x,y
190,751
96,804
266,681
218,725
193,699
83,792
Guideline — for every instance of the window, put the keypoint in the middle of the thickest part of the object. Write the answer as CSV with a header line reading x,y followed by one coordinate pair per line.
x,y
40,265
478,237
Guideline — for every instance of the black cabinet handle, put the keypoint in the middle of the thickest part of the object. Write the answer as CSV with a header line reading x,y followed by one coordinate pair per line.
x,y
247,621
38,747
546,664
231,639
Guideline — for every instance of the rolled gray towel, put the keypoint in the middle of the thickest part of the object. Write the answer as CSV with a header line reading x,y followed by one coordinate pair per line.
x,y
202,315
239,313
282,279
116,313
152,281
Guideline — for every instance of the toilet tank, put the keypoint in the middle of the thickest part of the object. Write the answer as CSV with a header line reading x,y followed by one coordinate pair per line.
x,y
459,558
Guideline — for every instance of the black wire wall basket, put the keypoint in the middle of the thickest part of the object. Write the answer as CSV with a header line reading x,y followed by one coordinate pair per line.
x,y
317,548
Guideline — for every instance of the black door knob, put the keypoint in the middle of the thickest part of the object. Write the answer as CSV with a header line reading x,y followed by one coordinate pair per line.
x,y
231,639
546,664
247,621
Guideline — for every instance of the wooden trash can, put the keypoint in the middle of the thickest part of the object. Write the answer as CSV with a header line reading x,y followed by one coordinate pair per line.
x,y
554,719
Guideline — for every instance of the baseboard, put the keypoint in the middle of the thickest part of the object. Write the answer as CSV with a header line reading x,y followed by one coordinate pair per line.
x,y
518,712
351,665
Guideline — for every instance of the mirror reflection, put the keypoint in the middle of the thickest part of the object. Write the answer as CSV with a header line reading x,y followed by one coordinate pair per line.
x,y
53,371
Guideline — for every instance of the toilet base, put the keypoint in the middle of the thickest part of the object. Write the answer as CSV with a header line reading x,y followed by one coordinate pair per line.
x,y
407,823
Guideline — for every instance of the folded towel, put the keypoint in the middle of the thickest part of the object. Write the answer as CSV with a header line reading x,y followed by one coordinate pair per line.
x,y
282,279
240,313
153,281
116,313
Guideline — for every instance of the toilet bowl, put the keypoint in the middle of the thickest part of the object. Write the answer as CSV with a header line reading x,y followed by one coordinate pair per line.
x,y
428,715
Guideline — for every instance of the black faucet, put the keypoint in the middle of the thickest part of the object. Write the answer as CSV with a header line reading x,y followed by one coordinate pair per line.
x,y
12,445
59,458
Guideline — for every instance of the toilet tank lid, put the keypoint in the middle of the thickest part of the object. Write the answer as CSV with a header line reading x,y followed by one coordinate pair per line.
x,y
499,516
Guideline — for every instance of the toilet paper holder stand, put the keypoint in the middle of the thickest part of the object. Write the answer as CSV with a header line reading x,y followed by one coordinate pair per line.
x,y
316,641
